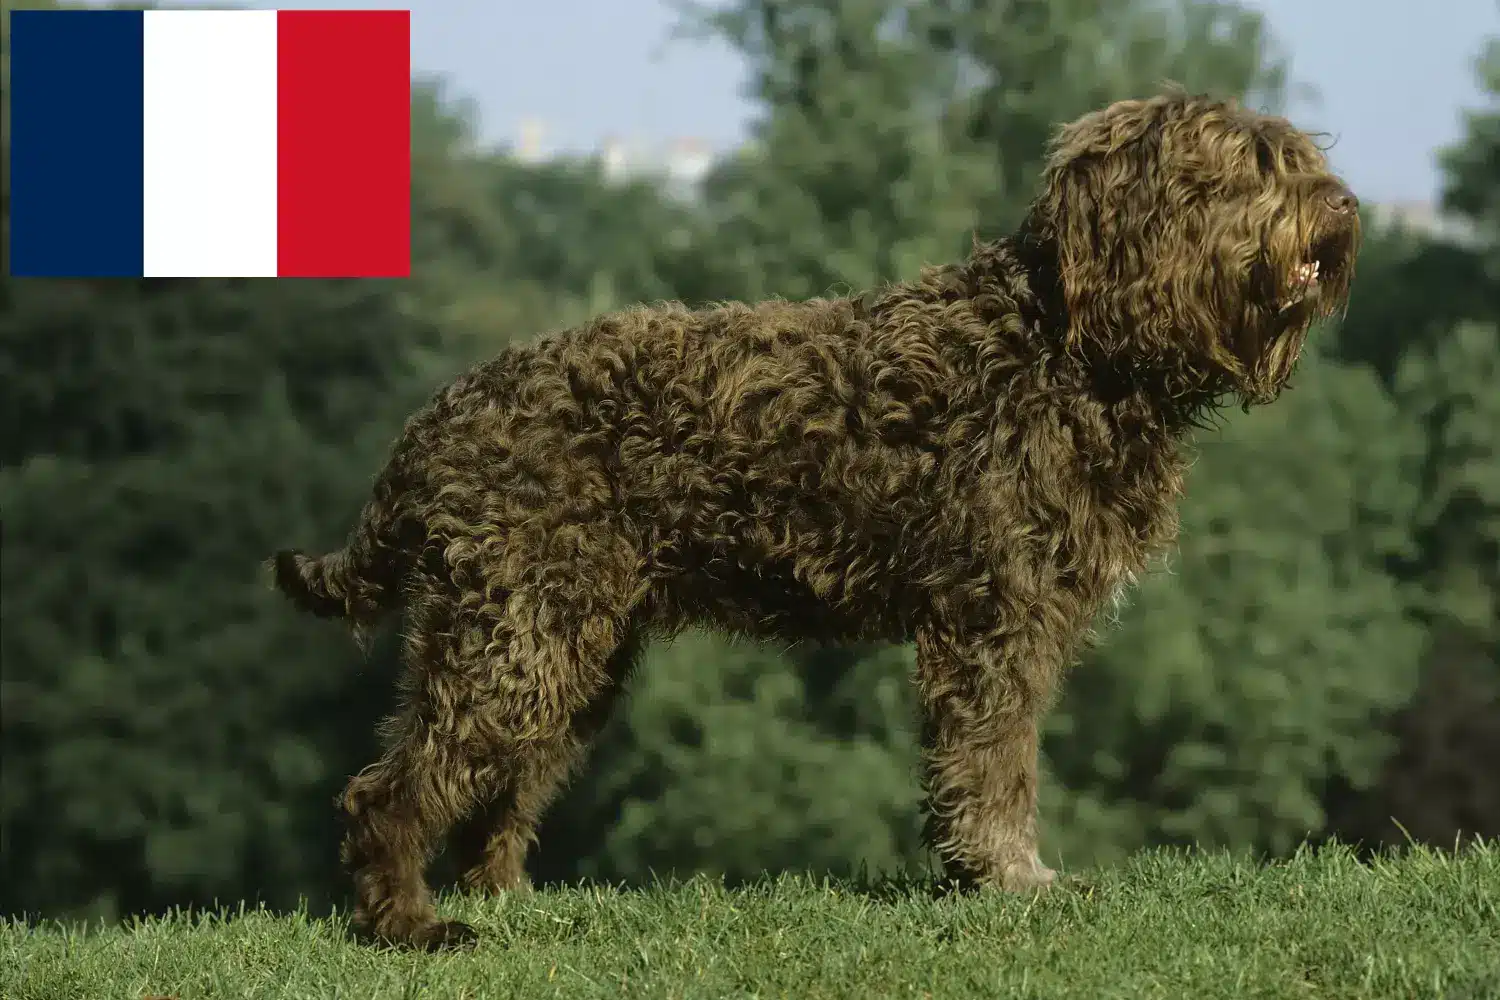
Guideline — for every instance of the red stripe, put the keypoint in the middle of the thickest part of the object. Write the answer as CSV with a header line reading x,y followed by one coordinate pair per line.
x,y
343,143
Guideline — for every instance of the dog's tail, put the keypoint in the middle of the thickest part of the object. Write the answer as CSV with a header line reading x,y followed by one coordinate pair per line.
x,y
360,583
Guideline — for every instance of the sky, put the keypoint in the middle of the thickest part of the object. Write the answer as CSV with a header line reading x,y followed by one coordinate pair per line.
x,y
1391,75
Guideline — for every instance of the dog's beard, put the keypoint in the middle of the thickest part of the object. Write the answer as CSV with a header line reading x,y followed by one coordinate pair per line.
x,y
1270,344
1277,362
1314,286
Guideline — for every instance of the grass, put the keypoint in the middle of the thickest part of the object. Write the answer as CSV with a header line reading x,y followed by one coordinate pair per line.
x,y
1421,924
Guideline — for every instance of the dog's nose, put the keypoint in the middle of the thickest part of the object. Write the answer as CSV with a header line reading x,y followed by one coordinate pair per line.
x,y
1342,202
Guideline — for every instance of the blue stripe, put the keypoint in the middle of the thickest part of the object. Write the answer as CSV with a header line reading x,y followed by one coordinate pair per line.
x,y
76,170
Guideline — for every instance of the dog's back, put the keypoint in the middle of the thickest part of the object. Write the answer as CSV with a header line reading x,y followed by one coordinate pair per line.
x,y
798,469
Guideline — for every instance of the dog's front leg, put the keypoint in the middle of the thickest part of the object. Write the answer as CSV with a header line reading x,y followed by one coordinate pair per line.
x,y
982,704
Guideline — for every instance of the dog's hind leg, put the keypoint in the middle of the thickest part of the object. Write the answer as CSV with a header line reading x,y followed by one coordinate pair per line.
x,y
492,845
570,641
982,705
503,661
429,777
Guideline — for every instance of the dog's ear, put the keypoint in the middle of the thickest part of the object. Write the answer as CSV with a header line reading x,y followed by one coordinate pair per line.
x,y
1140,253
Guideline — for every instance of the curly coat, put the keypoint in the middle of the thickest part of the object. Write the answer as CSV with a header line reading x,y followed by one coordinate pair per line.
x,y
975,461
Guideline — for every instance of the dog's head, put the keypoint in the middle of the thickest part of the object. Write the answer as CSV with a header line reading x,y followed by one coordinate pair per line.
x,y
1195,239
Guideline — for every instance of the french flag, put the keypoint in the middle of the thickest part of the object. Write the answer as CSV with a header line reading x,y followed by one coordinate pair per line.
x,y
210,143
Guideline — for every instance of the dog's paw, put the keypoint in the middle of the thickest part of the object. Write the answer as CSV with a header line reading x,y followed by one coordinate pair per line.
x,y
444,935
1080,883
1026,876
481,881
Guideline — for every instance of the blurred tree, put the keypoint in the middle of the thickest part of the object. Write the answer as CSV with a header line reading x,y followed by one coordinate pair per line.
x,y
891,131
1259,665
1430,323
719,762
171,731
507,250
170,734
1472,167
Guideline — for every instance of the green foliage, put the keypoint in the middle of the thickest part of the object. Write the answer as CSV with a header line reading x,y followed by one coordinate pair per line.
x,y
1473,165
1260,664
1421,926
724,761
1451,391
169,733
505,250
1427,319
892,131
1409,290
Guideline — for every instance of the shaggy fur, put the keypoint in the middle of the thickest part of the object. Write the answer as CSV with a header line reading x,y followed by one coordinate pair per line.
x,y
974,461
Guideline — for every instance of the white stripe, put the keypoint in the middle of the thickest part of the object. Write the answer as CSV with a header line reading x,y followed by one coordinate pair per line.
x,y
210,143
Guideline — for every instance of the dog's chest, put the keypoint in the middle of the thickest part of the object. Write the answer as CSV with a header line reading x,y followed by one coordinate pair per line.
x,y
1074,508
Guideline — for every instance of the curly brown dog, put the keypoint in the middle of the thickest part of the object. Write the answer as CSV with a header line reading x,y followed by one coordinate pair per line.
x,y
974,461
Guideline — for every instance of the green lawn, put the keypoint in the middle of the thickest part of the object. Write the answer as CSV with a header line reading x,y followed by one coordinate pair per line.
x,y
1201,927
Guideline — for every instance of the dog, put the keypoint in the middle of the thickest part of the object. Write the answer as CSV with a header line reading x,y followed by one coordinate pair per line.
x,y
974,461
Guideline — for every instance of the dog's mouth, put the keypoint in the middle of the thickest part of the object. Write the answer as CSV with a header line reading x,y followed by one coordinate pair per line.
x,y
1323,267
1305,276
1304,286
